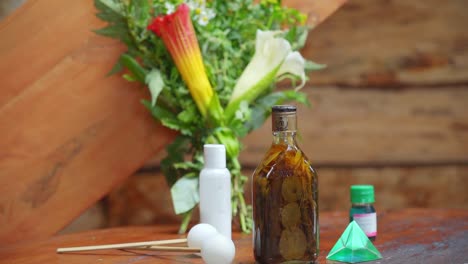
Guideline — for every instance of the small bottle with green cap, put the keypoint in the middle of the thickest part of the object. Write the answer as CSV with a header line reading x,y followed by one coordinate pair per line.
x,y
362,209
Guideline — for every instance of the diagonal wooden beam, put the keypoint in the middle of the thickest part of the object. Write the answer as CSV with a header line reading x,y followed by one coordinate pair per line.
x,y
68,133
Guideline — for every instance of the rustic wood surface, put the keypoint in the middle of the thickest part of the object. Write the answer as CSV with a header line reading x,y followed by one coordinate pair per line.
x,y
146,199
406,236
69,134
374,127
388,43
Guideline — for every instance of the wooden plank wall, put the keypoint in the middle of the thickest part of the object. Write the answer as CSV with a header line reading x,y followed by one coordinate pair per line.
x,y
68,133
391,110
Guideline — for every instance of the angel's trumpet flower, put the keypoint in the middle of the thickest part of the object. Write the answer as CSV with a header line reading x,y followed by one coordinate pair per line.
x,y
177,32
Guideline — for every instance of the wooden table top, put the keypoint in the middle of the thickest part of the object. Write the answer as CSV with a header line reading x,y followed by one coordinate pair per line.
x,y
405,236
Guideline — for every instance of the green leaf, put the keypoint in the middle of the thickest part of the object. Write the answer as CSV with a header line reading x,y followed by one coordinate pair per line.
x,y
129,77
140,12
225,136
187,165
112,12
118,67
302,38
109,10
112,31
187,115
215,111
166,117
108,5
155,84
185,194
313,66
297,36
134,67
243,115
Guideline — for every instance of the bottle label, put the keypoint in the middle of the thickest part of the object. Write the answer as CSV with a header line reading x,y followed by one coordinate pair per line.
x,y
367,222
284,121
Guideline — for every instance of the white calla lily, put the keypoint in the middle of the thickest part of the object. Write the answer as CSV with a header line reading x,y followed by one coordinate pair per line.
x,y
270,53
273,59
294,64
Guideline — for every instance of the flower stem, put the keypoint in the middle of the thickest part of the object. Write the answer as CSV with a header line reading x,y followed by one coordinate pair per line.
x,y
242,213
185,221
239,205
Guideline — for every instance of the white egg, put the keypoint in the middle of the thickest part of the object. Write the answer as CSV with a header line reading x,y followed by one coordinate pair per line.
x,y
199,233
218,249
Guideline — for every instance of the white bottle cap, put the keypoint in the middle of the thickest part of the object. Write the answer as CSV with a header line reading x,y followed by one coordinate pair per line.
x,y
215,156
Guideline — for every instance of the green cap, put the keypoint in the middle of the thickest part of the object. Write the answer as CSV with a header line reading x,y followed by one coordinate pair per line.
x,y
362,194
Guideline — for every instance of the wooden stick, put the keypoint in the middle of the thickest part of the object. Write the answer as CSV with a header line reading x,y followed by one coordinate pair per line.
x,y
123,245
171,249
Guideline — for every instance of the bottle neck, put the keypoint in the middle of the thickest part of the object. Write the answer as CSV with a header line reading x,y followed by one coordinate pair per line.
x,y
214,156
284,137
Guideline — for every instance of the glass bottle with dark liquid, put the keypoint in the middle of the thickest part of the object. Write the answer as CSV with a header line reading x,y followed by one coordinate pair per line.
x,y
285,195
362,210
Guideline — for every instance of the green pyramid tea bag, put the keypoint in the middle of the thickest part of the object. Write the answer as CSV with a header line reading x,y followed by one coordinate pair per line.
x,y
354,246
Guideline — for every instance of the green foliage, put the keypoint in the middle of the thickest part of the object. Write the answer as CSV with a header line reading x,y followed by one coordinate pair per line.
x,y
185,194
262,108
138,72
175,154
155,84
227,43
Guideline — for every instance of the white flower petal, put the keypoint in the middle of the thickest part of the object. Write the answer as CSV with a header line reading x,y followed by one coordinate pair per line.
x,y
201,13
169,7
193,5
270,52
293,65
209,13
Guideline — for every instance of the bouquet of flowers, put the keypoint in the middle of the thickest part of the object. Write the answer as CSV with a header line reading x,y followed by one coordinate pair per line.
x,y
211,69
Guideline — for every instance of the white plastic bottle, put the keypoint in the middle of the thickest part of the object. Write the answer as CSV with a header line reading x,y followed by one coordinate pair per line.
x,y
215,190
